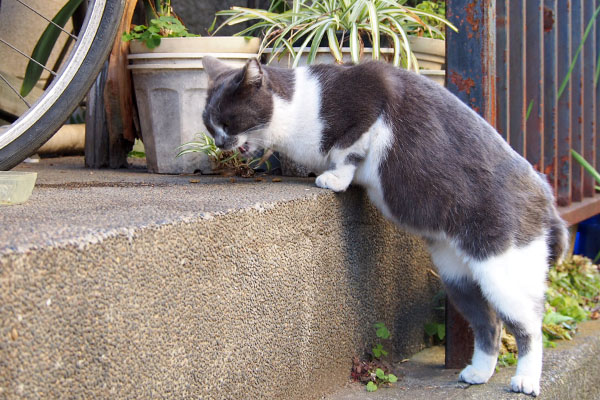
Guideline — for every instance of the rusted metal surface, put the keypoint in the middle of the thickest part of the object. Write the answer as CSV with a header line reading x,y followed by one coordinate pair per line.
x,y
516,78
502,55
589,61
563,59
550,88
459,339
576,99
472,82
471,75
534,83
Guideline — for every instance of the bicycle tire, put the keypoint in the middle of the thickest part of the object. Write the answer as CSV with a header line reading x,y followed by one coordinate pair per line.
x,y
74,79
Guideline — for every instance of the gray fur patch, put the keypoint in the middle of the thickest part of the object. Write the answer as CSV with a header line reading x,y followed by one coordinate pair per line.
x,y
522,337
354,159
352,98
451,163
487,326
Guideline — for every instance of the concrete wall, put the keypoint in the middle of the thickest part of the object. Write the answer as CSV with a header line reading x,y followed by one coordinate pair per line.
x,y
270,302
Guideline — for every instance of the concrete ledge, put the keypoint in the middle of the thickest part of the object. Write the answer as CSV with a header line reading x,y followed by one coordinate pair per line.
x,y
121,284
571,372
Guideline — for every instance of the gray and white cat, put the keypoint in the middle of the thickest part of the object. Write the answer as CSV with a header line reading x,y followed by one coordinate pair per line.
x,y
430,164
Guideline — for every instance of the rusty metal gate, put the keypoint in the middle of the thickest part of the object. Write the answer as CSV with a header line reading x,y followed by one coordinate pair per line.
x,y
509,61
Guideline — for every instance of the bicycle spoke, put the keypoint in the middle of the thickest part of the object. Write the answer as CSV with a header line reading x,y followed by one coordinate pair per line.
x,y
25,55
49,20
15,90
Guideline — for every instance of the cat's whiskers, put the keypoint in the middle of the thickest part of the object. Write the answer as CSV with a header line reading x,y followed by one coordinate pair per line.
x,y
253,129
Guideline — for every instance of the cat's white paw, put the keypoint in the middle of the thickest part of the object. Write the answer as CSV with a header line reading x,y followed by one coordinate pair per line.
x,y
328,180
474,376
525,384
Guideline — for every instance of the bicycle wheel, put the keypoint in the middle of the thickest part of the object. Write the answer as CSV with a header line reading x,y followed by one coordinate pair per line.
x,y
71,83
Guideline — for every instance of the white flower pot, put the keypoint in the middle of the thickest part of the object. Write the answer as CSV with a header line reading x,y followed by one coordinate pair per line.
x,y
170,87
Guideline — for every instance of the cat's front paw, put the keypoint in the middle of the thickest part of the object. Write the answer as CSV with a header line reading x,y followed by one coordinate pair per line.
x,y
525,384
328,180
474,376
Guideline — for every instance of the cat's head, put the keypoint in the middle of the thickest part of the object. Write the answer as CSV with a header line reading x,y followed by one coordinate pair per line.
x,y
238,105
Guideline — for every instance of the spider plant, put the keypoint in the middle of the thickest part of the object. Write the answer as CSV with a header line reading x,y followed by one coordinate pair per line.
x,y
305,25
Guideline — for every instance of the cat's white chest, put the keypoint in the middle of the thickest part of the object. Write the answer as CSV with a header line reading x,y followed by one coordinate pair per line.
x,y
296,127
376,142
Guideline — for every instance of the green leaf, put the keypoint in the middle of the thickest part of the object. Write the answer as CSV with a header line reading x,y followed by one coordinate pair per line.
x,y
441,331
392,378
374,21
586,165
529,108
45,45
556,318
371,387
567,77
431,329
379,373
354,44
153,41
334,45
377,350
381,330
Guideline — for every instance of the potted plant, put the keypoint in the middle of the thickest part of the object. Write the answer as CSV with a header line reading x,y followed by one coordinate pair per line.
x,y
170,84
347,30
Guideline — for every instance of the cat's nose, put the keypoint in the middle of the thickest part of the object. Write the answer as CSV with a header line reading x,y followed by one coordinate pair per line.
x,y
219,140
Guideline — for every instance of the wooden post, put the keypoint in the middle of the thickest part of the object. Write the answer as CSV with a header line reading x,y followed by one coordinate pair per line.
x,y
111,115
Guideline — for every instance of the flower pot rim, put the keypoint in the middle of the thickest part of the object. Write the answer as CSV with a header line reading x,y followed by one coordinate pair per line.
x,y
198,56
178,61
200,44
384,50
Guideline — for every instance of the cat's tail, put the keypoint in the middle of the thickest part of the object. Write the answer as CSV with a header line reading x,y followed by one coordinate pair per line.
x,y
558,238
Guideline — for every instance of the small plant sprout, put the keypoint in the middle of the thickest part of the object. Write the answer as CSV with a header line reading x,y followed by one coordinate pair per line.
x,y
380,378
436,330
374,373
225,162
382,332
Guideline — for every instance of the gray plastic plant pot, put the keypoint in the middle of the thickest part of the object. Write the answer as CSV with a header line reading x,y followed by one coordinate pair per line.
x,y
170,88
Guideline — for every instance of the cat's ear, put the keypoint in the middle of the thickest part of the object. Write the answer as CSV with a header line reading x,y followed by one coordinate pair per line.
x,y
253,73
214,67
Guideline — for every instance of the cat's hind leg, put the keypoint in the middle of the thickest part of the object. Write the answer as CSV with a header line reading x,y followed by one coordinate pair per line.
x,y
514,283
467,297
